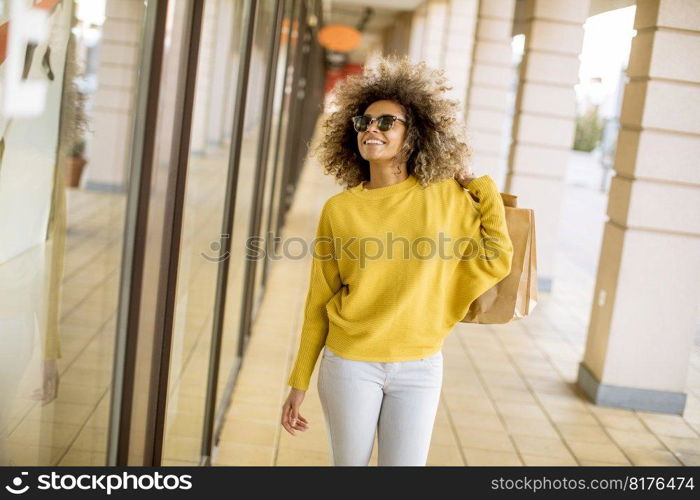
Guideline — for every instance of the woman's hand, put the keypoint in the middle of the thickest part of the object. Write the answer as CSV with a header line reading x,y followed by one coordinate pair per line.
x,y
465,176
291,419
49,387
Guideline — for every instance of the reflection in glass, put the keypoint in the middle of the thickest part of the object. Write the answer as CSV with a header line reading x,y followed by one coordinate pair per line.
x,y
62,179
252,131
201,239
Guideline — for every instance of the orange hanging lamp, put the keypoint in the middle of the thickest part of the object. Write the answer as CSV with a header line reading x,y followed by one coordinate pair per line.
x,y
339,38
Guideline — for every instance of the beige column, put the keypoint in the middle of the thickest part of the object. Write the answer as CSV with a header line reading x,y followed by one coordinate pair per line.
x,y
415,44
442,35
544,117
111,117
396,37
647,291
458,45
490,88
434,32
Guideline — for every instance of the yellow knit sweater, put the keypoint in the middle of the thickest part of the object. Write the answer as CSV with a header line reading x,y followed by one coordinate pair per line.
x,y
390,277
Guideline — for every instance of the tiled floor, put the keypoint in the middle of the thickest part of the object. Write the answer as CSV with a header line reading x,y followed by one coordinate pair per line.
x,y
72,428
509,395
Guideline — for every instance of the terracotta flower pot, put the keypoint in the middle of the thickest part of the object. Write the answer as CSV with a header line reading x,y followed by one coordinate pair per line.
x,y
74,169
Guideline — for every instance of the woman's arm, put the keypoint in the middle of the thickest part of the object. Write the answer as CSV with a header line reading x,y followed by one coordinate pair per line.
x,y
498,248
324,283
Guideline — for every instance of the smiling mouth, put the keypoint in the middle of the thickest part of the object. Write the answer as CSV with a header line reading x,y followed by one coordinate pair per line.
x,y
373,142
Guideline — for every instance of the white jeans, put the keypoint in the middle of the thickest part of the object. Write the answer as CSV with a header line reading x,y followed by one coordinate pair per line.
x,y
398,400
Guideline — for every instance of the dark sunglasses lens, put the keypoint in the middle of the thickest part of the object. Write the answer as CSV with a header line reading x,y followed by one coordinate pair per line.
x,y
361,123
384,123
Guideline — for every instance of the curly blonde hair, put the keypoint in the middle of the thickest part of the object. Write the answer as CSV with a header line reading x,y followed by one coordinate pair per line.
x,y
435,146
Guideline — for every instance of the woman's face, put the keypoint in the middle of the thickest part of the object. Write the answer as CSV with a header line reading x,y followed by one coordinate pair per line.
x,y
391,140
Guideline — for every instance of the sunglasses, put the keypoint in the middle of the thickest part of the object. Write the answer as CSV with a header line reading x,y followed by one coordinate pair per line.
x,y
384,122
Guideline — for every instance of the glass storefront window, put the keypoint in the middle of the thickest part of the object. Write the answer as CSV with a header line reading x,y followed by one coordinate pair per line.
x,y
111,230
63,174
252,131
200,242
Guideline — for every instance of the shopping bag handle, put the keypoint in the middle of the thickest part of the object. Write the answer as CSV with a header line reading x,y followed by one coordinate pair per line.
x,y
509,200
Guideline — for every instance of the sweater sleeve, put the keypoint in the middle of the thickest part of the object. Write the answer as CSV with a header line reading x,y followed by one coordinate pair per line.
x,y
497,256
324,283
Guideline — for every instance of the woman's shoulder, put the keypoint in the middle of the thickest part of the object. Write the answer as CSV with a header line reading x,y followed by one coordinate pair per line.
x,y
343,197
444,183
449,192
448,187
335,202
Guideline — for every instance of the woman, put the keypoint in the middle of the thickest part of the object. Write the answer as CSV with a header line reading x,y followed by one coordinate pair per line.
x,y
382,295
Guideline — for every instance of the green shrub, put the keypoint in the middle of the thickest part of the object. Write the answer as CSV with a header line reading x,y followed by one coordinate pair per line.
x,y
589,128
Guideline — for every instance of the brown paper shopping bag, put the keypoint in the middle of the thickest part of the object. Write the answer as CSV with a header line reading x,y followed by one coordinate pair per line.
x,y
515,296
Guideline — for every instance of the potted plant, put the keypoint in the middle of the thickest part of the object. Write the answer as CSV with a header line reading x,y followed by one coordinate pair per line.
x,y
75,159
75,163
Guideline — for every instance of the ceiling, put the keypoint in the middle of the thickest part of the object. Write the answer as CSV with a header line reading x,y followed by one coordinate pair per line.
x,y
350,12
598,6
387,4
